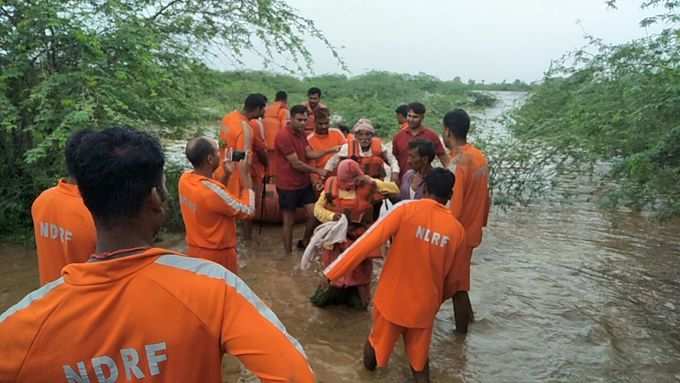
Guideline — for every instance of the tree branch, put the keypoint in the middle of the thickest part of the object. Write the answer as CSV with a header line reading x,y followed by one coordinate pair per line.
x,y
163,9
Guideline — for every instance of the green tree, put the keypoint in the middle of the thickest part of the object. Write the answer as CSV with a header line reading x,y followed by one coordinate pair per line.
x,y
617,106
70,64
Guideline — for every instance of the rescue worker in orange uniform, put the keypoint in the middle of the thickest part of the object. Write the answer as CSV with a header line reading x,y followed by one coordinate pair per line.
x,y
209,211
258,170
419,272
312,104
402,114
63,227
323,139
471,200
276,116
236,134
135,312
353,194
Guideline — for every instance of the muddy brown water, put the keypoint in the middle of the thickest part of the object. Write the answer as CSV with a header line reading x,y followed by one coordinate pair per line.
x,y
566,293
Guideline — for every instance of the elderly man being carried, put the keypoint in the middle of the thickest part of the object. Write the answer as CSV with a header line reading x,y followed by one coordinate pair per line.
x,y
353,194
370,153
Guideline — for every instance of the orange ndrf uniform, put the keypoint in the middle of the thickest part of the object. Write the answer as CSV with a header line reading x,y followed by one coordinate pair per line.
x,y
470,202
421,268
232,135
275,118
64,230
209,212
320,143
155,316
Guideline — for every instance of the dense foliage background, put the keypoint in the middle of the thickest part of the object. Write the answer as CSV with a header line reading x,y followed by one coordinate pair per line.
x,y
616,106
70,64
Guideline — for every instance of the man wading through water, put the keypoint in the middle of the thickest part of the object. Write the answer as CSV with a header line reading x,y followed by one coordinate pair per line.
x,y
293,184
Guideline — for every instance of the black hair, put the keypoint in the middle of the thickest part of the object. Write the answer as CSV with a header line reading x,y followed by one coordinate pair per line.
x,y
198,150
117,169
322,114
344,129
281,96
298,109
425,148
255,101
402,109
458,122
417,108
314,90
71,151
439,183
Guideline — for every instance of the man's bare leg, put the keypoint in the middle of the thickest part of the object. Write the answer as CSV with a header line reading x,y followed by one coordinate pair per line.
x,y
247,230
370,362
287,231
310,224
462,309
422,376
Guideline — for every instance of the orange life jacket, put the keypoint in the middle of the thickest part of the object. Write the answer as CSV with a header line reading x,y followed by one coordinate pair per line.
x,y
374,165
356,207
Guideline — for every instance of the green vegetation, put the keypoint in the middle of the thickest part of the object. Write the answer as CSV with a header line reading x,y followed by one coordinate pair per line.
x,y
373,95
618,105
70,64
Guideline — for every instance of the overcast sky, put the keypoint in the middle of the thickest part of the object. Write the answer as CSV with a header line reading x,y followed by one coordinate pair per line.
x,y
490,40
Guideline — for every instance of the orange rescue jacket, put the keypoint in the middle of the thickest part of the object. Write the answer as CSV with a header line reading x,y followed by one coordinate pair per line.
x,y
423,266
209,211
471,201
64,230
373,166
155,316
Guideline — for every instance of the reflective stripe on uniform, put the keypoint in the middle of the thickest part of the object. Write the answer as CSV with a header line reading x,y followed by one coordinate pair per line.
x,y
32,297
229,200
213,270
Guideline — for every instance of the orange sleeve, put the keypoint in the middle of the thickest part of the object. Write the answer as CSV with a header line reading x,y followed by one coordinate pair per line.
x,y
363,247
220,200
15,341
283,117
252,333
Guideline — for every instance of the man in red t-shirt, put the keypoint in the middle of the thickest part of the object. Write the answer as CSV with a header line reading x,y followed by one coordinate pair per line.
x,y
416,114
291,156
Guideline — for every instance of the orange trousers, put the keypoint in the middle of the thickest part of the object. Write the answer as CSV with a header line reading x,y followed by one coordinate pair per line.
x,y
384,335
225,257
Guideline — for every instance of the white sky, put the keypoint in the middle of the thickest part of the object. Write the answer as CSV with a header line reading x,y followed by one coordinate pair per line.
x,y
490,40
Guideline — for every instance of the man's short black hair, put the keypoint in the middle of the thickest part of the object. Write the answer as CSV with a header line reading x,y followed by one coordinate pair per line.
x,y
417,108
198,149
402,109
458,122
255,101
313,91
298,109
117,169
281,96
439,183
71,151
424,147
344,129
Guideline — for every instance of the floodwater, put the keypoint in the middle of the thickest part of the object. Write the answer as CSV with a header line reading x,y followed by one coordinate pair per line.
x,y
562,293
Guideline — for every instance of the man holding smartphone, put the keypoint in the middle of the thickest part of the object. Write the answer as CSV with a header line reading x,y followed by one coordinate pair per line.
x,y
209,211
292,154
